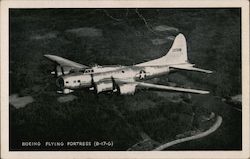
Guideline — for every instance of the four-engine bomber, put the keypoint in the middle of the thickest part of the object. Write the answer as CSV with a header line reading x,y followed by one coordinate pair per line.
x,y
124,79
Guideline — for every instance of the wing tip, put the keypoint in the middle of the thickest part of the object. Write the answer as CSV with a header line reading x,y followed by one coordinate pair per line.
x,y
47,55
205,92
208,71
51,57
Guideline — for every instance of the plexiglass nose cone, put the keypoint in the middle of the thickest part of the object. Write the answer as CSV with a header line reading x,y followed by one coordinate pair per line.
x,y
60,82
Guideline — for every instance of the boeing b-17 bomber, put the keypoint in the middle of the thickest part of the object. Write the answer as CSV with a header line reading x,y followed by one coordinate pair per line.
x,y
124,80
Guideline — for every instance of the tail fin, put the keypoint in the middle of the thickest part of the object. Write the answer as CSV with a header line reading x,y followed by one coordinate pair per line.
x,y
178,52
176,55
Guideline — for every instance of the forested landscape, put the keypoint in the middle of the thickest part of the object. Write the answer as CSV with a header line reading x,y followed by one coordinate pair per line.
x,y
124,37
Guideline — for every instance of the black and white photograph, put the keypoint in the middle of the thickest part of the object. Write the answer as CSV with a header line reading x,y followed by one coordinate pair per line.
x,y
125,79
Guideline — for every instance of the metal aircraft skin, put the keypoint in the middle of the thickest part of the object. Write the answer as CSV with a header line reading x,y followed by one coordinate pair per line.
x,y
124,80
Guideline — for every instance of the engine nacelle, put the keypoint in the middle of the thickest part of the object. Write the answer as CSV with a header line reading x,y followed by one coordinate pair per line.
x,y
103,87
127,89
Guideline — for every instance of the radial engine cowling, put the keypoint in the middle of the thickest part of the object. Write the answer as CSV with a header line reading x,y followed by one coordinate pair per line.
x,y
104,87
127,89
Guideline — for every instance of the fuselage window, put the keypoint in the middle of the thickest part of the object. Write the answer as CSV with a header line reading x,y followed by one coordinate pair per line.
x,y
74,81
67,81
88,71
78,81
122,71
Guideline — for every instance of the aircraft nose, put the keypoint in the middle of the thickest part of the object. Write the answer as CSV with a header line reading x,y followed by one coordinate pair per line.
x,y
60,82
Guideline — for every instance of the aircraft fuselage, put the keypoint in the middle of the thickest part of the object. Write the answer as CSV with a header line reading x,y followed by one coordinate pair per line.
x,y
104,77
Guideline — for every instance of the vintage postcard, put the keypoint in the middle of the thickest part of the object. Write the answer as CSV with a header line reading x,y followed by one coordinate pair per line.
x,y
125,79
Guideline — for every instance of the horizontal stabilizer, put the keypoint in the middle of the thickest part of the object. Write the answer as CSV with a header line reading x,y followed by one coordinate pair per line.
x,y
189,67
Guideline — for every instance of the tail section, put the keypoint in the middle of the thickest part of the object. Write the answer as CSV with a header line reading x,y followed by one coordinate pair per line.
x,y
176,55
178,52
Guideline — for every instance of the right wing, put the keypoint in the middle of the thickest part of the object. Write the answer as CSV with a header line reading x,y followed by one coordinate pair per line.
x,y
143,85
65,62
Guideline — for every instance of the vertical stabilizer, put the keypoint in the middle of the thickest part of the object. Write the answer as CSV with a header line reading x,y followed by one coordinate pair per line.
x,y
177,54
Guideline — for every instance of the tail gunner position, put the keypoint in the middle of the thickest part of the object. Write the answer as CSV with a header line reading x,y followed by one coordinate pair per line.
x,y
124,79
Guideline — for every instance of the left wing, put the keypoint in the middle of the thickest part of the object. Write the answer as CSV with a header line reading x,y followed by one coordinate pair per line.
x,y
143,85
65,62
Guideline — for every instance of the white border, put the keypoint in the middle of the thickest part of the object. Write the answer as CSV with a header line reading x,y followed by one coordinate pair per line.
x,y
5,5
